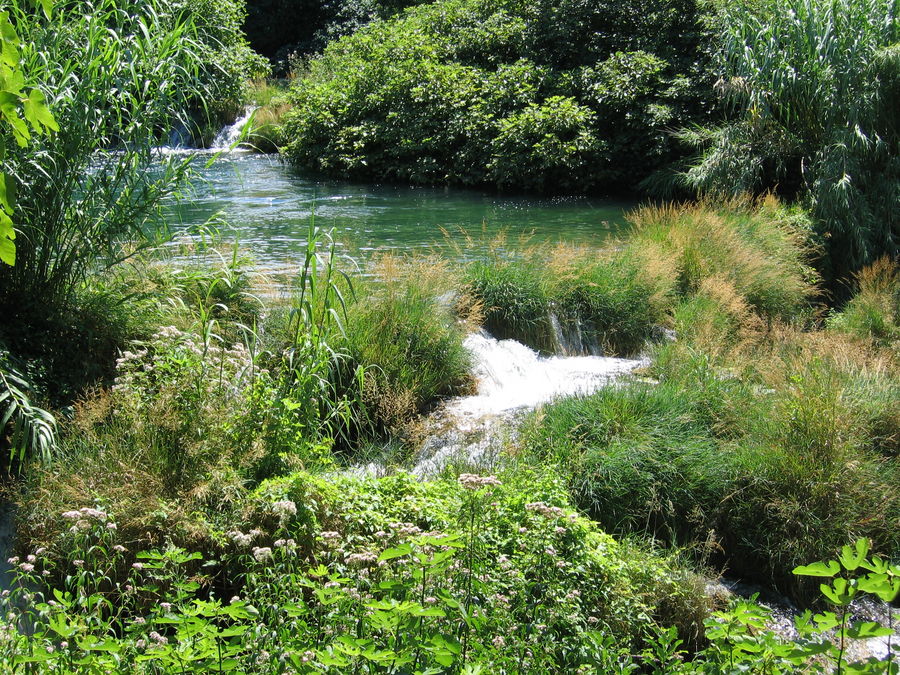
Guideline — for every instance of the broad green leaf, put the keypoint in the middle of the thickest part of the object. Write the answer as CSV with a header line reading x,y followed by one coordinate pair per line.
x,y
37,113
333,660
840,592
397,552
851,559
7,31
862,630
826,621
7,246
444,658
818,569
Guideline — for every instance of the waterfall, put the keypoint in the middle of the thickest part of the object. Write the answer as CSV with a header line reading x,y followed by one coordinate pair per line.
x,y
511,379
570,340
510,375
230,134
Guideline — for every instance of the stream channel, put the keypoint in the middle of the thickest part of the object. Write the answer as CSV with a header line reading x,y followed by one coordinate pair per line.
x,y
266,207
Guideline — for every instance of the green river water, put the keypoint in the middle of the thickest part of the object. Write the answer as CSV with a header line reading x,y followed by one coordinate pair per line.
x,y
267,206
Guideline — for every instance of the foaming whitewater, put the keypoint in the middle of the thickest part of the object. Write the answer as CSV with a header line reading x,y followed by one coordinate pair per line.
x,y
511,380
511,375
231,134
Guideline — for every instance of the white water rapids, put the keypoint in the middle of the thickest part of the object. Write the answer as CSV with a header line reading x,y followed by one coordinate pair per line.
x,y
510,378
231,134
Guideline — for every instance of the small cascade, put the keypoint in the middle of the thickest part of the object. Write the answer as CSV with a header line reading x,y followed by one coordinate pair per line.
x,y
230,134
570,339
510,375
511,379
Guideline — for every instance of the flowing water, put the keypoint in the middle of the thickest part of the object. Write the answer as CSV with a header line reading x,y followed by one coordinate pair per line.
x,y
267,207
231,134
511,379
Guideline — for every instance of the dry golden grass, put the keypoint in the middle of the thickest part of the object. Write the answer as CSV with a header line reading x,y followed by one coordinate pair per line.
x,y
749,243
428,275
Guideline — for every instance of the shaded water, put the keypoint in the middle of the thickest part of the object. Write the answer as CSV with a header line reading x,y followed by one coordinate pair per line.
x,y
267,207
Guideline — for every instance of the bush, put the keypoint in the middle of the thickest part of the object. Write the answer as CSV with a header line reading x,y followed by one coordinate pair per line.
x,y
309,555
546,147
813,86
472,92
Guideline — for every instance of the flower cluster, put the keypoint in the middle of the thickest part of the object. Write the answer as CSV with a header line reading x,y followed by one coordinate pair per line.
x,y
545,510
262,553
285,510
86,513
405,529
331,537
363,559
243,540
471,481
173,354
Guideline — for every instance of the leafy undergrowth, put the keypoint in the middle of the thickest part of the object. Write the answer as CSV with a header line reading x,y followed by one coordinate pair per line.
x,y
761,444
393,575
325,575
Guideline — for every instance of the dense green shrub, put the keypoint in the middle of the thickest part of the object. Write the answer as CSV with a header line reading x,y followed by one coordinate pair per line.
x,y
284,30
813,86
546,147
479,570
550,96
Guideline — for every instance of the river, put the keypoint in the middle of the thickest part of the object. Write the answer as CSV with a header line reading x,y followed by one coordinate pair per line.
x,y
267,207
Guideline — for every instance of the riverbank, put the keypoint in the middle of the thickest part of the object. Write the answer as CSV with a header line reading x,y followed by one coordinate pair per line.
x,y
757,435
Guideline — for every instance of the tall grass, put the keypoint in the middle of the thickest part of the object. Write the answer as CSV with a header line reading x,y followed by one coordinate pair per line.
x,y
567,299
267,134
813,89
403,330
765,442
573,299
515,299
759,247
115,76
874,311
647,459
